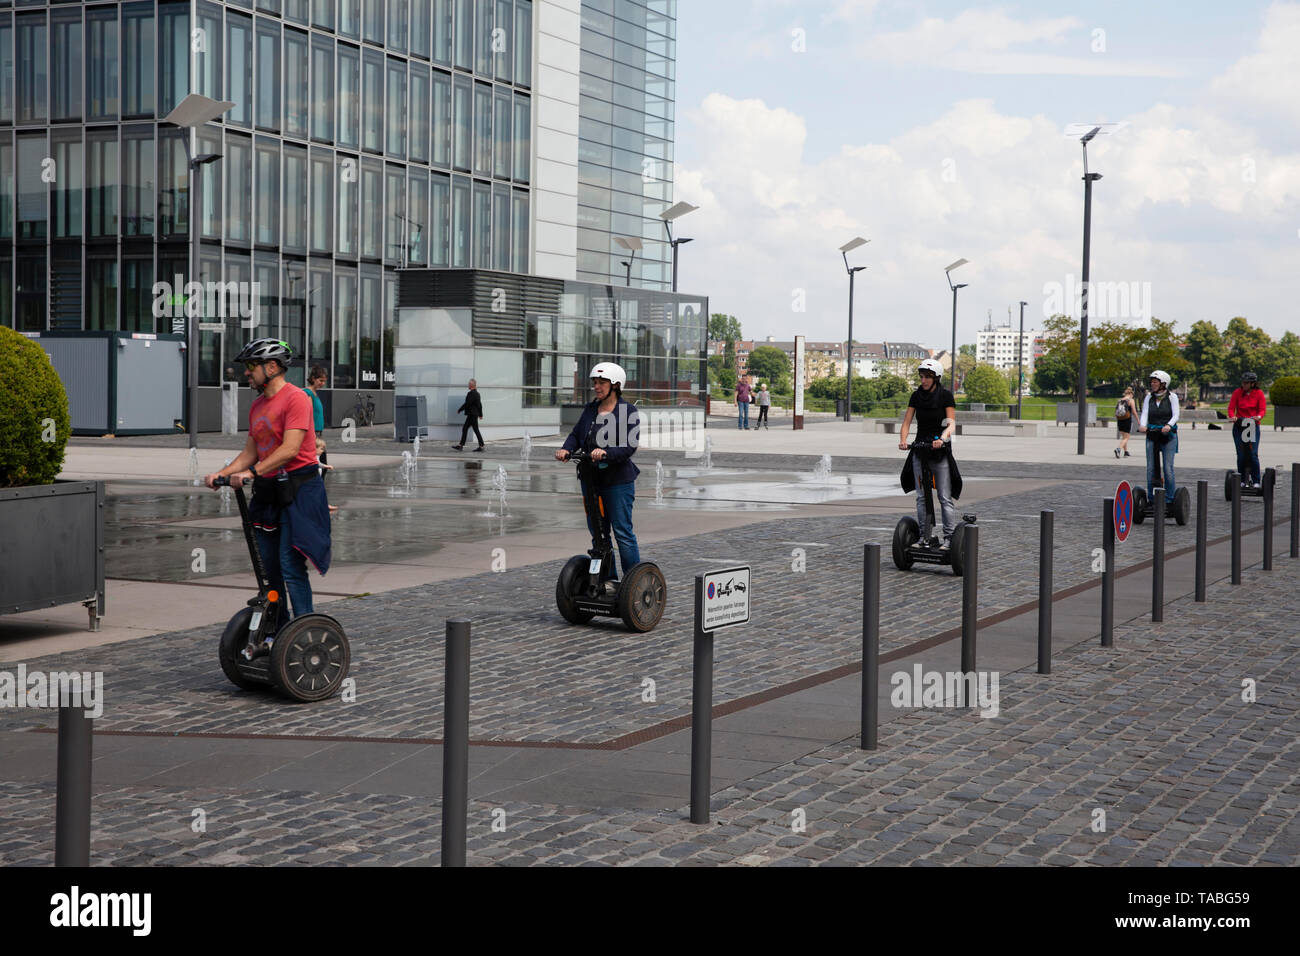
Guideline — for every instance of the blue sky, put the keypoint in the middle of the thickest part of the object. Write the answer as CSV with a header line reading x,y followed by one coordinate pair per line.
x,y
936,130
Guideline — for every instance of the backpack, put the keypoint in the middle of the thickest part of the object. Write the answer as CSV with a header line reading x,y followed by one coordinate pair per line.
x,y
1121,409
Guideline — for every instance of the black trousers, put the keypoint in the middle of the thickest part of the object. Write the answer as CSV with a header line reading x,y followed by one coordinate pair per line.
x,y
471,421
762,414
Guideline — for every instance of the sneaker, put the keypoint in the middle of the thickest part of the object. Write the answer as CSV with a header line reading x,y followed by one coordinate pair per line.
x,y
479,448
1127,455
1116,452
947,544
457,447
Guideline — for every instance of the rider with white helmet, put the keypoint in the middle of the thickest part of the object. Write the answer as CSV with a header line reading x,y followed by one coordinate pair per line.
x,y
1159,421
935,411
609,429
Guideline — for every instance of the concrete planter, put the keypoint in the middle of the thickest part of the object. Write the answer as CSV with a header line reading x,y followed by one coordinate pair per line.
x,y
52,548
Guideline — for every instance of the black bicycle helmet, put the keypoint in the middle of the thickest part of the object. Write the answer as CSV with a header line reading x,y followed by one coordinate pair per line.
x,y
263,350
1249,377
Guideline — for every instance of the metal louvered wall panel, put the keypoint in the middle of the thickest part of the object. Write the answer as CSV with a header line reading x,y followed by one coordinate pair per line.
x,y
499,300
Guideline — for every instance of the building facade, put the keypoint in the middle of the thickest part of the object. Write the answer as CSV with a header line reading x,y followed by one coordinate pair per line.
x,y
998,347
365,136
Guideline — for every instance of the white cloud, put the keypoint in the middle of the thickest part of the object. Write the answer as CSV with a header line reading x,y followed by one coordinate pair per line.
x,y
1267,79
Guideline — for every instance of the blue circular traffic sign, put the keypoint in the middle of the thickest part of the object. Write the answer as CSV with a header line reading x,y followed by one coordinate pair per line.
x,y
1123,510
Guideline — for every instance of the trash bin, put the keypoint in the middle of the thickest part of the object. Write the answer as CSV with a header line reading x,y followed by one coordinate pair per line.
x,y
410,417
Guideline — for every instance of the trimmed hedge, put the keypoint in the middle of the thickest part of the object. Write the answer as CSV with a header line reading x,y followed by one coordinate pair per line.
x,y
1285,391
34,421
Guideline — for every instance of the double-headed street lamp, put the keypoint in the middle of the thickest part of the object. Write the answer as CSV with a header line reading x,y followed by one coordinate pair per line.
x,y
961,285
192,112
675,211
848,370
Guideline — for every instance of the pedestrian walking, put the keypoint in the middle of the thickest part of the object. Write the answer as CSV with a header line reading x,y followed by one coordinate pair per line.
x,y
764,403
742,404
473,409
1125,414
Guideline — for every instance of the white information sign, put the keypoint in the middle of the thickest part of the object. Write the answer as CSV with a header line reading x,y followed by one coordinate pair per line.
x,y
725,598
798,374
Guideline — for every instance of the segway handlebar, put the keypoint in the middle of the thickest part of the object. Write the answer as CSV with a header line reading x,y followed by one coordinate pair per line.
x,y
223,482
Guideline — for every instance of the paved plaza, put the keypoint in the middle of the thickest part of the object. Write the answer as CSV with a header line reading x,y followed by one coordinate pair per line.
x,y
1175,746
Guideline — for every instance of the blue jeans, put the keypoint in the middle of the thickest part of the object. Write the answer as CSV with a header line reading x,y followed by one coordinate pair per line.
x,y
286,568
1169,450
742,418
1247,453
943,485
618,509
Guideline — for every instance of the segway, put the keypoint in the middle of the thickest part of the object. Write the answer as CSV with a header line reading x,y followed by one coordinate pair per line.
x,y
1180,509
1248,491
584,589
908,547
308,656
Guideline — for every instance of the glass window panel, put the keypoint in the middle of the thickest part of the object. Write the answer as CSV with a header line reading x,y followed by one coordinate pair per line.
x,y
138,66
395,206
397,12
460,191
173,184
397,108
137,296
322,13
418,217
209,342
30,306
101,183
519,231
65,82
206,44
173,55
372,117
293,308
238,163
483,38
138,179
372,208
501,134
30,56
267,192
439,227
442,31
320,318
464,34
101,294
372,21
295,83
419,144
294,218
296,11
390,320
7,292
322,201
239,68
463,110
482,226
345,327
208,178
442,130
482,130
523,137
266,273
268,74
7,77
102,73
421,20
271,6
322,78
501,227
349,97
503,54
69,161
350,18
8,186
347,192
370,323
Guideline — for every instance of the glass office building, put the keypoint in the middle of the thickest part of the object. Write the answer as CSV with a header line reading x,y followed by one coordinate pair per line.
x,y
365,136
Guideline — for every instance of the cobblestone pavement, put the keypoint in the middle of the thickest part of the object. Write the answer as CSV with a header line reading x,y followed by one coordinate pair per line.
x,y
1155,733
534,678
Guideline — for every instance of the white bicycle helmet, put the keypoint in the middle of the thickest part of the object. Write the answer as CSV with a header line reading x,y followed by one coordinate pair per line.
x,y
1163,376
611,372
932,366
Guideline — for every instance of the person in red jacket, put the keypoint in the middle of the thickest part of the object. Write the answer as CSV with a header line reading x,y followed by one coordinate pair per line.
x,y
1246,409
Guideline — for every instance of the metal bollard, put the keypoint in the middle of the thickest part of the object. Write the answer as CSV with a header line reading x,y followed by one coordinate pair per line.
x,y
1108,572
1295,509
72,799
701,714
1270,481
1158,560
1046,522
1202,517
455,744
969,607
870,644
1234,488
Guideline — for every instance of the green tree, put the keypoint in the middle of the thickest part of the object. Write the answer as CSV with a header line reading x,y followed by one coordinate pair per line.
x,y
1248,350
1205,355
892,386
984,383
1286,355
1052,376
767,363
720,374
725,328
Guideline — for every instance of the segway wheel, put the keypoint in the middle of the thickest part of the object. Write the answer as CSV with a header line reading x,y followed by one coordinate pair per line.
x,y
641,597
1182,505
233,640
956,550
906,533
1227,486
1139,505
310,658
572,576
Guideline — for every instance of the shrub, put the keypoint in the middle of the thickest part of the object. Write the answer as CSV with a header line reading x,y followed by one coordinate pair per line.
x,y
986,384
1285,391
34,422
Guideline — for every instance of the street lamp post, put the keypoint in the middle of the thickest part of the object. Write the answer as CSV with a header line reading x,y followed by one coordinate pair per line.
x,y
633,245
675,211
191,113
946,272
848,368
1020,361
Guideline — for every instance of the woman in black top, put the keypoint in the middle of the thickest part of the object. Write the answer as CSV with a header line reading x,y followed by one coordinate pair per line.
x,y
935,411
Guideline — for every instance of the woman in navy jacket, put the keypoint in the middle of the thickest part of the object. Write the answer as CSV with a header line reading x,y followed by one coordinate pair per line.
x,y
610,430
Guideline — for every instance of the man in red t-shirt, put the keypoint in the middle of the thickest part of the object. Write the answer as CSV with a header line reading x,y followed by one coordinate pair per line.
x,y
1246,408
280,456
